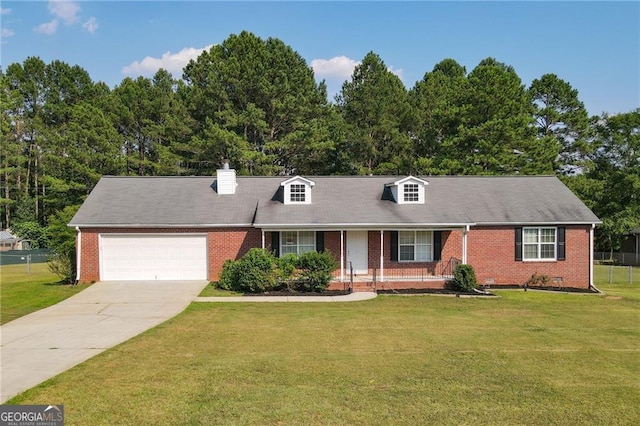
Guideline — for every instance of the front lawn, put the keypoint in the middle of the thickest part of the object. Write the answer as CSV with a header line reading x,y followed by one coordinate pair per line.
x,y
23,292
524,358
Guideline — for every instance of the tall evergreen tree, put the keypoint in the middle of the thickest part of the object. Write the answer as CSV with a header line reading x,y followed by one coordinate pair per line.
x,y
375,106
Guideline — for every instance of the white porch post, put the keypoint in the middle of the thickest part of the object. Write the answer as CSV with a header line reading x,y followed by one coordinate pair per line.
x,y
381,255
591,255
341,255
263,244
465,231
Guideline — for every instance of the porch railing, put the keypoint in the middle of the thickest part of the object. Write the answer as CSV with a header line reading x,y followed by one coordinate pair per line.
x,y
442,270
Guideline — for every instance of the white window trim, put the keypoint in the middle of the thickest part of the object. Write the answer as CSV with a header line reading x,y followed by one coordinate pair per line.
x,y
297,245
415,193
304,193
430,259
539,245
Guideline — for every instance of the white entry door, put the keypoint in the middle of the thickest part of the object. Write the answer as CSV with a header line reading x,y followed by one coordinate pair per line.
x,y
358,251
153,257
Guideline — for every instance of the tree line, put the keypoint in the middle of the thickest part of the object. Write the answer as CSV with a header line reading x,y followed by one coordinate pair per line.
x,y
256,102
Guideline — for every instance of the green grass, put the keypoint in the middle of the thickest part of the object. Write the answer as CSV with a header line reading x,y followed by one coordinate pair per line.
x,y
23,292
524,358
211,291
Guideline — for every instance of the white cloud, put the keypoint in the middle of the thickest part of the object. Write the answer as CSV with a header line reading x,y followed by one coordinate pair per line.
x,y
336,67
397,72
91,25
4,11
6,33
47,28
65,10
172,62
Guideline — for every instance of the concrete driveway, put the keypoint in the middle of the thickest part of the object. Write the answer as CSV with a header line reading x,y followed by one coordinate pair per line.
x,y
45,343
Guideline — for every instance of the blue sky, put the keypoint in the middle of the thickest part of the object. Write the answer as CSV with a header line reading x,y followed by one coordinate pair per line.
x,y
595,46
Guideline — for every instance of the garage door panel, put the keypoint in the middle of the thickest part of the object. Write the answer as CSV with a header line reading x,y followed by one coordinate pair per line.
x,y
153,257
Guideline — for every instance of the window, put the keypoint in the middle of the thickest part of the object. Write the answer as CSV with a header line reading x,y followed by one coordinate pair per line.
x,y
539,243
411,194
297,242
298,194
415,246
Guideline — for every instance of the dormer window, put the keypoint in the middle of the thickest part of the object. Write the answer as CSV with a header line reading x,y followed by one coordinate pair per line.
x,y
297,193
408,190
297,190
411,193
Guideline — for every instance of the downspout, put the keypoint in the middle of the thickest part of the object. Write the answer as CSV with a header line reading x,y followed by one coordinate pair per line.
x,y
341,255
381,255
591,285
465,231
78,253
263,240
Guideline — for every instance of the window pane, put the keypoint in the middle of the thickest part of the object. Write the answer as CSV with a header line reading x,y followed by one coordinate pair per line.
x,y
305,249
548,235
306,238
410,192
407,237
406,253
297,193
530,251
423,237
284,250
289,238
547,251
530,235
423,253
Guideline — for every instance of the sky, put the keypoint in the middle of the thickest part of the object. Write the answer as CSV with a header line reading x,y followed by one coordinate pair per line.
x,y
594,46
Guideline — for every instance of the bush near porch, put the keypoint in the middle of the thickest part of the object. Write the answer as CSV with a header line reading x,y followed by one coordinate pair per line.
x,y
259,271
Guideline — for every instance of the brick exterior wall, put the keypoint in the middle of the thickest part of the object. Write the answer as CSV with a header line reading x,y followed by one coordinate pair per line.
x,y
223,244
491,251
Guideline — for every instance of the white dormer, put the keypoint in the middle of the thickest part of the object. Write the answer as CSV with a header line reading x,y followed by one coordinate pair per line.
x,y
408,190
297,190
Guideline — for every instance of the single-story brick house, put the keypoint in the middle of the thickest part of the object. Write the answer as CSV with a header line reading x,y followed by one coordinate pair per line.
x,y
397,231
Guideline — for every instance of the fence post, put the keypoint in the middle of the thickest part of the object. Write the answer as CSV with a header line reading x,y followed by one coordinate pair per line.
x,y
630,274
610,274
28,264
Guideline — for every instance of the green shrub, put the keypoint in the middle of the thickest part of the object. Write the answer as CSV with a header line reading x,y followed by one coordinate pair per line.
x,y
464,278
63,265
253,273
316,271
538,280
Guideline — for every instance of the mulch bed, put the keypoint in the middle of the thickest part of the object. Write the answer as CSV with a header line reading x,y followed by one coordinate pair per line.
x,y
299,293
545,288
433,291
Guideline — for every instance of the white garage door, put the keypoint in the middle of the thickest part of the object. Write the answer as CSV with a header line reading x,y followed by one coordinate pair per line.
x,y
153,257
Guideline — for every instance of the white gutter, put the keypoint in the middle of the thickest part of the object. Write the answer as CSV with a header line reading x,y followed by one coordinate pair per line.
x,y
162,225
532,223
78,253
368,226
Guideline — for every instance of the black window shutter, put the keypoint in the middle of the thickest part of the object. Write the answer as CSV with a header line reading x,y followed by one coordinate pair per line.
x,y
275,243
319,241
561,243
394,246
518,243
437,245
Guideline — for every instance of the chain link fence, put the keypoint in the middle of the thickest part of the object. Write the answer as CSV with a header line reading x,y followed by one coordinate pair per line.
x,y
627,259
24,257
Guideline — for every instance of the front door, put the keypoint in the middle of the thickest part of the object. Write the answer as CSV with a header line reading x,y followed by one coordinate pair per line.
x,y
357,251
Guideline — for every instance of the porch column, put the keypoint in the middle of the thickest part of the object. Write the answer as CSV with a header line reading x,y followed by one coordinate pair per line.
x,y
591,255
465,231
341,255
263,244
381,255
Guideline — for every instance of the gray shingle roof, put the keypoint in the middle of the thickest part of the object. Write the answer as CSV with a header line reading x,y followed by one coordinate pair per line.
x,y
337,201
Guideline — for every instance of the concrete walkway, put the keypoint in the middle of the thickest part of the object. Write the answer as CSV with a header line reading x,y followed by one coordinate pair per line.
x,y
45,343
351,297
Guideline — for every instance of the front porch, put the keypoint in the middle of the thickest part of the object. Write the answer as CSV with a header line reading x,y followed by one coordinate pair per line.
x,y
371,259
